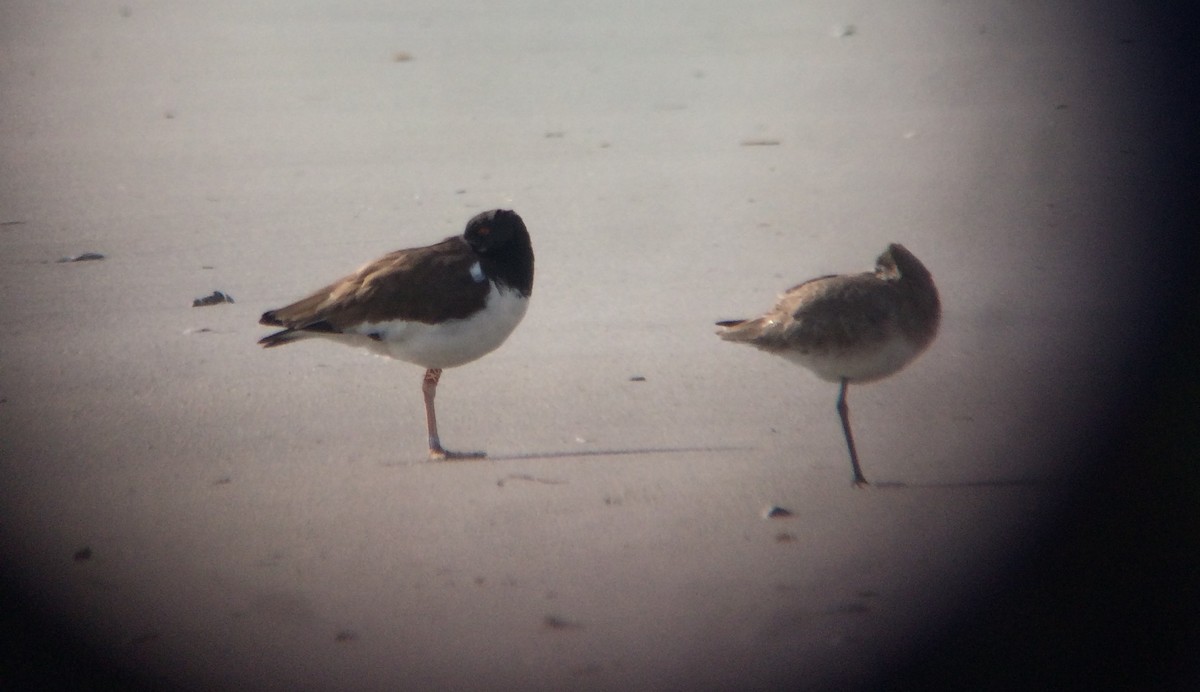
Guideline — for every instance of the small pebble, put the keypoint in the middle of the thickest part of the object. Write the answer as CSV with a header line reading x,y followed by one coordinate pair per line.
x,y
85,257
84,553
556,623
216,298
776,512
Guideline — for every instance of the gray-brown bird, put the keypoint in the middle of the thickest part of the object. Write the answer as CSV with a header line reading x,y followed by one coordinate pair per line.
x,y
850,328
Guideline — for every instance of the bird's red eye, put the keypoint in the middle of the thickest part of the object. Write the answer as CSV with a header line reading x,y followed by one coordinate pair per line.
x,y
484,230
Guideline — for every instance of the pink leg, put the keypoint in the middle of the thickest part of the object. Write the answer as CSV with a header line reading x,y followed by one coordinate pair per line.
x,y
436,451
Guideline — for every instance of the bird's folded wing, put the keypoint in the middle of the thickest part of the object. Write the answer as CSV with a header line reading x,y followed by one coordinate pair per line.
x,y
429,284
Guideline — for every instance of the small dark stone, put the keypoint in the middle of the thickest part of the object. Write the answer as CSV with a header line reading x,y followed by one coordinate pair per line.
x,y
85,257
554,622
84,553
776,512
216,298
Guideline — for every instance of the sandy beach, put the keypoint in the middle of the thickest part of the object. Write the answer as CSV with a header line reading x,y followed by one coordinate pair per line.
x,y
182,509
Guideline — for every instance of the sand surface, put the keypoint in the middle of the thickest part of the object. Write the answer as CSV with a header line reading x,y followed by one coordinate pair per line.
x,y
210,515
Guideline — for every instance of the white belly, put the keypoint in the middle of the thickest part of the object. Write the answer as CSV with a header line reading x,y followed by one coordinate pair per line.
x,y
858,365
451,343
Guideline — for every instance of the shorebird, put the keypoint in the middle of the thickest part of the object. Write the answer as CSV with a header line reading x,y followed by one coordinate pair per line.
x,y
439,306
850,328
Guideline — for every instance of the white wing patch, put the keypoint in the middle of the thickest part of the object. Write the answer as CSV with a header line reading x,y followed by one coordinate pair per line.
x,y
477,273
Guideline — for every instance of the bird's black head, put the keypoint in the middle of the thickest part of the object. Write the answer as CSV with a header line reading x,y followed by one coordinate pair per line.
x,y
493,231
502,244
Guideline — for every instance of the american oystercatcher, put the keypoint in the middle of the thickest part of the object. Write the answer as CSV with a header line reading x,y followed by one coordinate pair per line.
x,y
850,328
438,306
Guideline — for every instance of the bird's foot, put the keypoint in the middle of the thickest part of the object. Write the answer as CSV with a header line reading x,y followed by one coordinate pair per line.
x,y
439,454
860,482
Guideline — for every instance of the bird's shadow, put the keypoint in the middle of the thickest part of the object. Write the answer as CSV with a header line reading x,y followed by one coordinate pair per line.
x,y
1029,482
951,485
584,453
574,454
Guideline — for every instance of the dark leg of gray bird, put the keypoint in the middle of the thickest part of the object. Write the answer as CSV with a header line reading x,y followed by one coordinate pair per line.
x,y
844,411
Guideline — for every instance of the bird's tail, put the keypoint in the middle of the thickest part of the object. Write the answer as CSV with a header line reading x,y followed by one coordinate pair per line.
x,y
736,330
280,338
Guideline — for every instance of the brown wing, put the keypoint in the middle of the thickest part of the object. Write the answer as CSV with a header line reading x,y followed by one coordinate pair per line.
x,y
428,284
829,313
840,312
766,331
